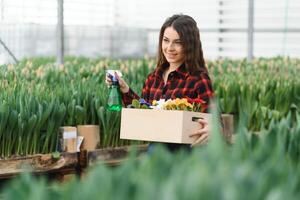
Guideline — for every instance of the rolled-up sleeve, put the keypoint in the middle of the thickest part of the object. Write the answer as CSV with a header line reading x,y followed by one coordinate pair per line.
x,y
128,97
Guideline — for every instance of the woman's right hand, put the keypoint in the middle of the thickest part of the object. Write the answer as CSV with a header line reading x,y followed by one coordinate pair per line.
x,y
123,85
202,134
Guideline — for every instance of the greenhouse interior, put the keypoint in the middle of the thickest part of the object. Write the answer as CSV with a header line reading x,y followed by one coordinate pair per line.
x,y
161,99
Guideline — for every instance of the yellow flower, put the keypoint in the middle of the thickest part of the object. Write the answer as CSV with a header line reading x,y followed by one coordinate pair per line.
x,y
177,101
40,72
185,100
28,64
25,71
177,104
154,103
10,67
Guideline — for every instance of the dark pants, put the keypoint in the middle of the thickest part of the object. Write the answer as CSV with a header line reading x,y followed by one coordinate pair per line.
x,y
172,147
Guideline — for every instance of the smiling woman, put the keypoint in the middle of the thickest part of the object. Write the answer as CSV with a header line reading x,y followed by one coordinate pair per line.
x,y
172,48
180,71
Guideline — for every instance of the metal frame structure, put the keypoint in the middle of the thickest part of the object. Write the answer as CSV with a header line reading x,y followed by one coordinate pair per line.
x,y
60,32
224,28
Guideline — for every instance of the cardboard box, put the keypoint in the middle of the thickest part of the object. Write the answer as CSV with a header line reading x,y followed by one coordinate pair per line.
x,y
68,138
91,136
171,126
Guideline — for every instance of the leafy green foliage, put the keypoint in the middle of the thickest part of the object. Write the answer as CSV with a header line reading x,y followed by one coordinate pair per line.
x,y
268,164
38,97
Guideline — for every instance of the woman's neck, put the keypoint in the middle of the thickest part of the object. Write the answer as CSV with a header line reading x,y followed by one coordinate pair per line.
x,y
173,67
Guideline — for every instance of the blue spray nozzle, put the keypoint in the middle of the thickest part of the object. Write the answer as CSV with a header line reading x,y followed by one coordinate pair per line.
x,y
111,75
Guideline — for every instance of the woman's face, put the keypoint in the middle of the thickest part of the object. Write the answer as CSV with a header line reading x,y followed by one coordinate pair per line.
x,y
172,47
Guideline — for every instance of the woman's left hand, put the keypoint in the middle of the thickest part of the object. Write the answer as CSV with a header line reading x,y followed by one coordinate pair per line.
x,y
202,134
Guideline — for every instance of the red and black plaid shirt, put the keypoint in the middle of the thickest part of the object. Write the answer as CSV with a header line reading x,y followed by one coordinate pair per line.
x,y
180,84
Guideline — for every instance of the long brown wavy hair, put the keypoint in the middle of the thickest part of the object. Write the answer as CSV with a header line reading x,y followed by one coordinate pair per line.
x,y
188,32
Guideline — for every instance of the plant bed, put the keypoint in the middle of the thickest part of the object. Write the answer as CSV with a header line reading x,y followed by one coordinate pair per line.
x,y
113,156
38,164
66,163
